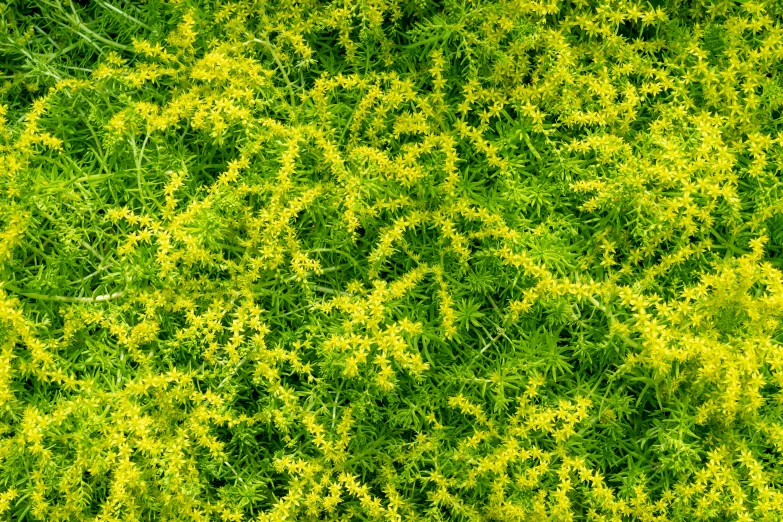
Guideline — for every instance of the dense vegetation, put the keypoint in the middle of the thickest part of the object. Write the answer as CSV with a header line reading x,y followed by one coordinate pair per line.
x,y
391,260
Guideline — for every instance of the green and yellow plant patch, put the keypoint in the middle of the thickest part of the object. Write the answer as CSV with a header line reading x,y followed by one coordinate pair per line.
x,y
391,260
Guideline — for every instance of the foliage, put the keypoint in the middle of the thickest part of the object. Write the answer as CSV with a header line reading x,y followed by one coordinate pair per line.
x,y
391,260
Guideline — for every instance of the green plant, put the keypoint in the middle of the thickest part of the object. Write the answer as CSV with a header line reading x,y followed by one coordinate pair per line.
x,y
391,260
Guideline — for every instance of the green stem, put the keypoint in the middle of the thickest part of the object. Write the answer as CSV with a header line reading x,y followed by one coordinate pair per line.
x,y
62,298
266,43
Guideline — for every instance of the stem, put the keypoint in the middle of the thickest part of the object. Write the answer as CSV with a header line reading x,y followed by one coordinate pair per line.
x,y
266,43
335,251
81,25
327,290
89,247
138,159
123,13
62,298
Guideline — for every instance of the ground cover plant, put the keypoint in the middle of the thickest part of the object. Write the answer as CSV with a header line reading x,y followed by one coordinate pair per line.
x,y
391,260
